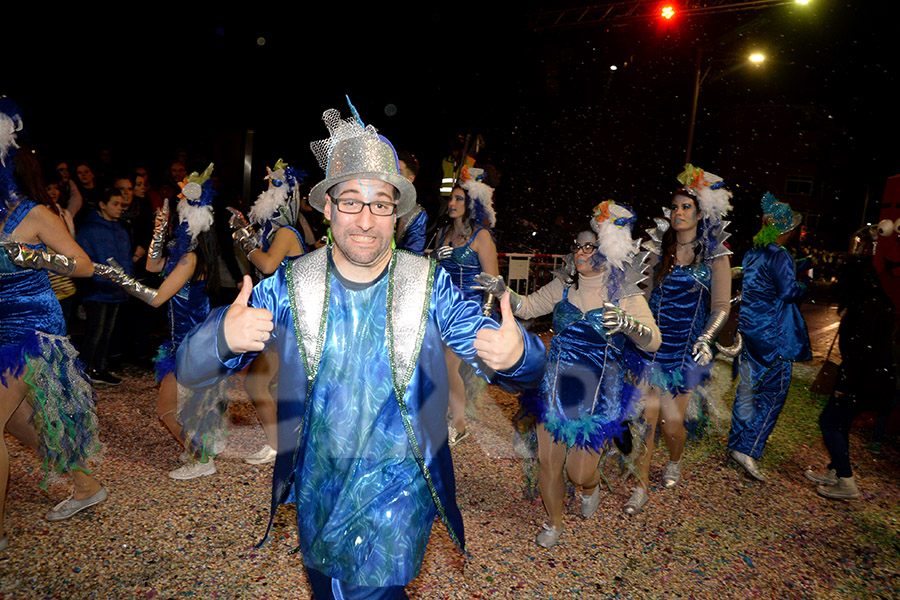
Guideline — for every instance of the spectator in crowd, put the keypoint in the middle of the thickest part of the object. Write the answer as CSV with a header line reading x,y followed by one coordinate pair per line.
x,y
103,237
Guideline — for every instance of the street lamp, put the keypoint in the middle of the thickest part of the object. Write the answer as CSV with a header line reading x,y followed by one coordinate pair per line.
x,y
756,59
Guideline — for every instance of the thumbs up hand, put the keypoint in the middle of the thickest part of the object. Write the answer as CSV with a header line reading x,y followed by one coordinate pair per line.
x,y
247,329
501,348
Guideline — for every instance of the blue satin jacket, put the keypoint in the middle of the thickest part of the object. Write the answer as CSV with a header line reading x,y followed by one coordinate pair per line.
x,y
770,320
295,295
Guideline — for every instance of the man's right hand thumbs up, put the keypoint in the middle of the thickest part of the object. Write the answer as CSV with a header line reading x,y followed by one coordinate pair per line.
x,y
247,329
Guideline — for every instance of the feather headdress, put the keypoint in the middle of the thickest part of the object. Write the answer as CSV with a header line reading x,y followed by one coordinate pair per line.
x,y
479,199
612,223
709,190
195,203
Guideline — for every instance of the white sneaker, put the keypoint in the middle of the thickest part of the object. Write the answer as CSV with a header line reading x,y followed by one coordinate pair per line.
x,y
264,456
590,503
844,489
192,470
548,536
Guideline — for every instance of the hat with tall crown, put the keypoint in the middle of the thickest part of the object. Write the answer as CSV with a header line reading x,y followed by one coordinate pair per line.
x,y
357,151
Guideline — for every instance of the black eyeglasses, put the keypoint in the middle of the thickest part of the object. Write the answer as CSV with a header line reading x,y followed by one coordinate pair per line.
x,y
377,207
587,248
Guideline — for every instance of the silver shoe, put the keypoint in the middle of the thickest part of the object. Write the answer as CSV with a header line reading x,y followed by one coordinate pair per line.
x,y
672,474
829,478
748,464
456,436
548,537
637,501
590,503
70,506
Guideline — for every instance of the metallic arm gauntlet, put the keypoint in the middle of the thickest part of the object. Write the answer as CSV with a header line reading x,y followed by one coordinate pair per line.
x,y
703,345
443,253
247,239
243,234
566,271
615,320
36,258
160,223
496,287
114,273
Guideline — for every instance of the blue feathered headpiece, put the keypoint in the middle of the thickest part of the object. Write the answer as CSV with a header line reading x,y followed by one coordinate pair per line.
x,y
195,214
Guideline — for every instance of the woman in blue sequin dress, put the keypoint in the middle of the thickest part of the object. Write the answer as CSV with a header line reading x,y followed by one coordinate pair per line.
x,y
585,399
46,400
465,248
690,303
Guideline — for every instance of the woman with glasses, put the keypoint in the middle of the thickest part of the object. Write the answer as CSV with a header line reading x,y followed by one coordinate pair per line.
x,y
690,303
584,399
465,248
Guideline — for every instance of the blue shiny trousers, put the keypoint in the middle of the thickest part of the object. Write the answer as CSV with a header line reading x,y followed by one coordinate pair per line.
x,y
328,588
758,401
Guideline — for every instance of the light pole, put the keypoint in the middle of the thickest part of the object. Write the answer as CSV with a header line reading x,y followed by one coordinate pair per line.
x,y
756,59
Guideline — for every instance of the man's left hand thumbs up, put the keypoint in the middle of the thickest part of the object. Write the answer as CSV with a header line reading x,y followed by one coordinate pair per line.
x,y
501,348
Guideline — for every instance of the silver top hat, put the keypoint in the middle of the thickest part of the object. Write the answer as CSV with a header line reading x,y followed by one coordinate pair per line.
x,y
356,152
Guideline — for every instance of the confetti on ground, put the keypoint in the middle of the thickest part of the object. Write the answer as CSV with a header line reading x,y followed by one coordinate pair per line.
x,y
716,535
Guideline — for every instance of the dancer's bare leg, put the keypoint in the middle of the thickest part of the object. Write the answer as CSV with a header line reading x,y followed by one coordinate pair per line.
x,y
22,428
166,405
651,396
551,481
672,411
457,391
11,396
581,467
260,374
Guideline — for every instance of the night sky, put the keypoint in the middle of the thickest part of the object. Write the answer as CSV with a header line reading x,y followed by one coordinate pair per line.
x,y
564,131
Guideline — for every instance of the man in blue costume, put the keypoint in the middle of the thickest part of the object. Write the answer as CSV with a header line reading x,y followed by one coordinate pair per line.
x,y
773,332
362,392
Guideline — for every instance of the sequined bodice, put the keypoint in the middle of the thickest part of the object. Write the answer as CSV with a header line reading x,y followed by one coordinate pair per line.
x,y
27,303
463,265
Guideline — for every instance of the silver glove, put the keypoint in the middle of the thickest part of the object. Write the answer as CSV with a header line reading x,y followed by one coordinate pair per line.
x,y
615,320
567,271
37,258
114,272
160,224
734,349
702,349
247,239
443,253
237,220
496,287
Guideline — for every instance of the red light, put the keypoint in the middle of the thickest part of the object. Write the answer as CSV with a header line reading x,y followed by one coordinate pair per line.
x,y
667,11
